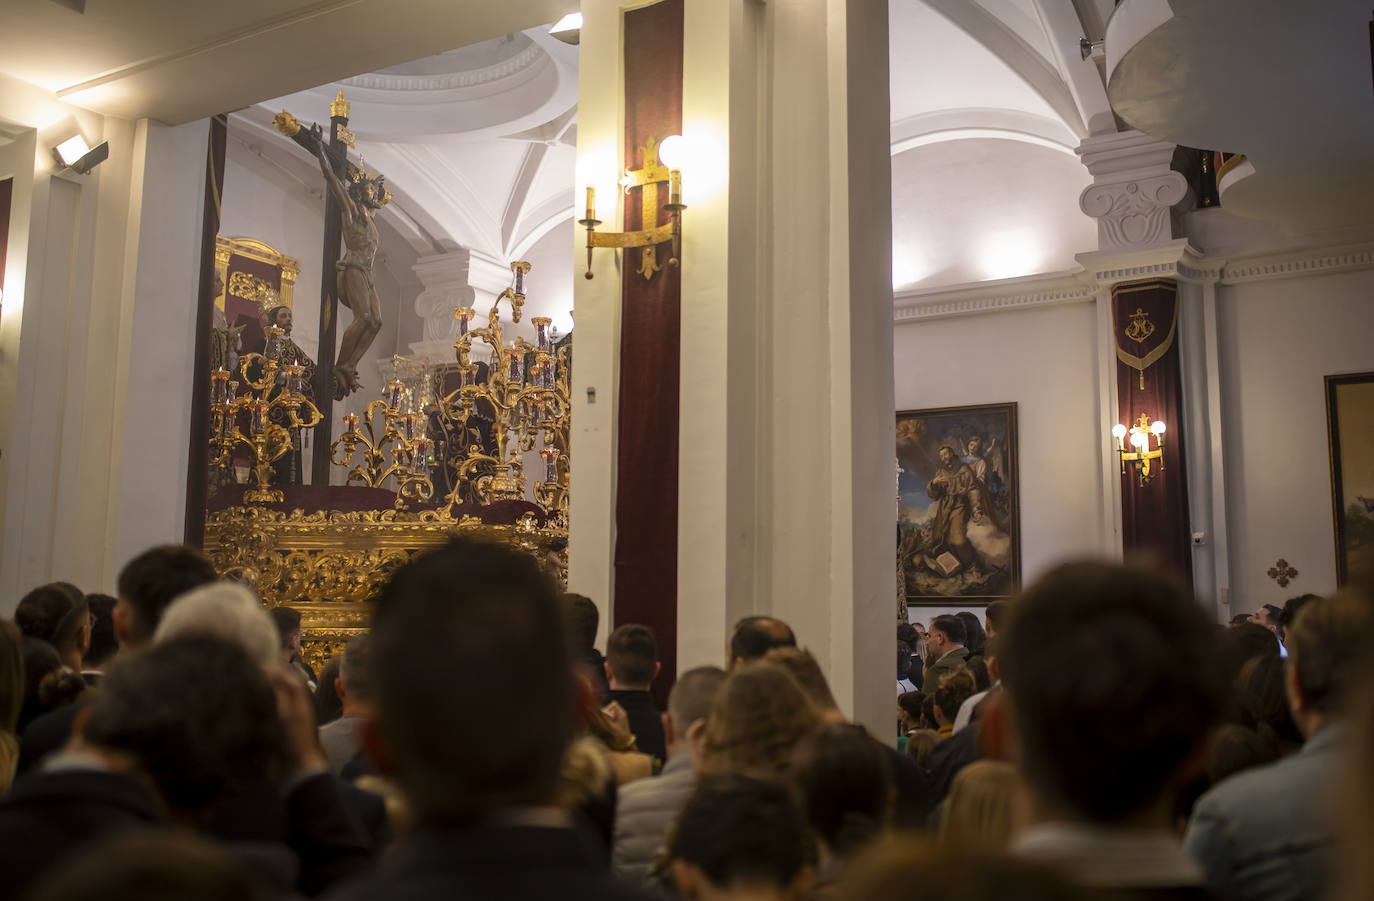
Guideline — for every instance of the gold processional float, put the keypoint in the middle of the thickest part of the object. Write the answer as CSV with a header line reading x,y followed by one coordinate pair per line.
x,y
471,441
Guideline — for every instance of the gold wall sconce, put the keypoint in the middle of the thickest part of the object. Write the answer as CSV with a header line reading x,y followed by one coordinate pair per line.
x,y
661,163
1140,440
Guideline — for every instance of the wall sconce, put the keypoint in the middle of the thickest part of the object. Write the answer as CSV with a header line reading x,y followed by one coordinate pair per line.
x,y
1140,440
76,155
662,163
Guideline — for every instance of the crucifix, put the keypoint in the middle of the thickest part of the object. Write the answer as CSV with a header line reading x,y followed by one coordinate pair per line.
x,y
352,197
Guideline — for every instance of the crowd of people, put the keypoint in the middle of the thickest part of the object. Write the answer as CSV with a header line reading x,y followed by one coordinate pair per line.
x,y
1095,737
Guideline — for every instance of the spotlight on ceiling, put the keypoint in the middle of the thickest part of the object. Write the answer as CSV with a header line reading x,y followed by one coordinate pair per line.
x,y
568,29
75,154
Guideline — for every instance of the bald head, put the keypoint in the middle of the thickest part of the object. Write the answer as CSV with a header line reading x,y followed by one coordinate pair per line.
x,y
755,636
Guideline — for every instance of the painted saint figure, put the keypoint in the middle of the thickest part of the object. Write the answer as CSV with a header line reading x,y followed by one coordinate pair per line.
x,y
952,489
356,291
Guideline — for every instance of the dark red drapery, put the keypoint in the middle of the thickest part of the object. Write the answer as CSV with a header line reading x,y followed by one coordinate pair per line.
x,y
1154,517
647,455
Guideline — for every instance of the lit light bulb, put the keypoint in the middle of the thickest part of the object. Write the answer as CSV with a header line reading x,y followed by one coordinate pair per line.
x,y
1118,431
1138,440
673,151
1157,427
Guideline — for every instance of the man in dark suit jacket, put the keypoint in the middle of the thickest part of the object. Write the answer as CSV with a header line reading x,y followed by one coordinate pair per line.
x,y
631,667
471,633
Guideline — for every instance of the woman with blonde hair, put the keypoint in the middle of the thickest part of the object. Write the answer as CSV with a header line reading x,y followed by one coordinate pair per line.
x,y
978,813
759,715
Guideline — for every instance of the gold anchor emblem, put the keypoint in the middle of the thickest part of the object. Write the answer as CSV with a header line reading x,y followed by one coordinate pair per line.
x,y
1141,327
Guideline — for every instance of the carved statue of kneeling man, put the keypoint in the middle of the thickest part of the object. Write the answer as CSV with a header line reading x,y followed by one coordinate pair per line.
x,y
357,204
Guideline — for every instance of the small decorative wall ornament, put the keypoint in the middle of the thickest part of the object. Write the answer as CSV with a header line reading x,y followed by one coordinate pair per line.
x,y
1282,573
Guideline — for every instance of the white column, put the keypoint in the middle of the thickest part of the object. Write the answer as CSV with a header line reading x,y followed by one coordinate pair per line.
x,y
457,278
785,485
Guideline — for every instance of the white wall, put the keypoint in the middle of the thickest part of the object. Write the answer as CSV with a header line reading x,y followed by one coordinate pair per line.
x,y
1278,340
1045,360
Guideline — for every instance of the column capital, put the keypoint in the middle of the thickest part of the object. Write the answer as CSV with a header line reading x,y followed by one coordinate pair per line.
x,y
461,277
1133,190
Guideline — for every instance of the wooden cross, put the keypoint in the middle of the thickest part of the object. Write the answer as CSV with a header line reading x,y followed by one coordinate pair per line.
x,y
1282,573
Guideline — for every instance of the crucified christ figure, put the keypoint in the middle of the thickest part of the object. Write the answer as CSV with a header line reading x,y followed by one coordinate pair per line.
x,y
357,205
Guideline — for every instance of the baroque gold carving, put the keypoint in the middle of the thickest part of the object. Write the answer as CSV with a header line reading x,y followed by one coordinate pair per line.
x,y
250,287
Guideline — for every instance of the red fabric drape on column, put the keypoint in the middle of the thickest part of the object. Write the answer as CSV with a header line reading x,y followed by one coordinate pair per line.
x,y
1154,517
647,455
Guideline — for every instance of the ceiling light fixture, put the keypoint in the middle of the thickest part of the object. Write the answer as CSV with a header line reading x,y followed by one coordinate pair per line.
x,y
75,154
568,29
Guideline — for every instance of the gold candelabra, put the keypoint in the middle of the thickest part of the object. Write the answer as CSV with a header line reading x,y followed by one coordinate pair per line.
x,y
527,395
277,411
402,433
1140,440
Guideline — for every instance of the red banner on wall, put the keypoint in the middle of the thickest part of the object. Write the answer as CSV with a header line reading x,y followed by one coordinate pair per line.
x,y
647,454
1154,515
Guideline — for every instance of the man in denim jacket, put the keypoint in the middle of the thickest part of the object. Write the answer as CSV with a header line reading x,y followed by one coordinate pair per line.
x,y
1266,833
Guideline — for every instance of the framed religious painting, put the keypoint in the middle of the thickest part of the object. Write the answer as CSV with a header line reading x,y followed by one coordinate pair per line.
x,y
1350,431
958,509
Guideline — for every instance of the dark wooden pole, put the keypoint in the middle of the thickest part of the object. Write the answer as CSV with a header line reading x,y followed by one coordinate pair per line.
x,y
197,471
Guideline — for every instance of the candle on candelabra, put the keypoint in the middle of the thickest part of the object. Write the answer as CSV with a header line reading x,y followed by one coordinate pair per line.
x,y
258,418
350,422
231,391
517,363
409,422
463,315
469,375
393,393
293,377
226,421
422,455
591,202
550,455
273,349
675,186
218,380
541,331
536,412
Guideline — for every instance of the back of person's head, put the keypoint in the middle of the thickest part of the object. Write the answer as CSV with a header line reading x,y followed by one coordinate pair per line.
x,y
1131,689
1328,643
147,865
11,675
951,627
582,620
199,716
846,785
472,633
1355,814
1263,700
903,659
1290,609
978,669
954,689
920,744
742,833
910,702
632,653
55,613
287,621
1235,748
803,667
103,644
978,813
755,636
328,704
693,695
355,668
996,615
1240,643
225,610
759,715
908,868
907,634
151,581
973,631
40,660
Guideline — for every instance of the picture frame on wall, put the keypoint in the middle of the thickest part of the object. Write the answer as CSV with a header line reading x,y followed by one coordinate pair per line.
x,y
1350,434
958,505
